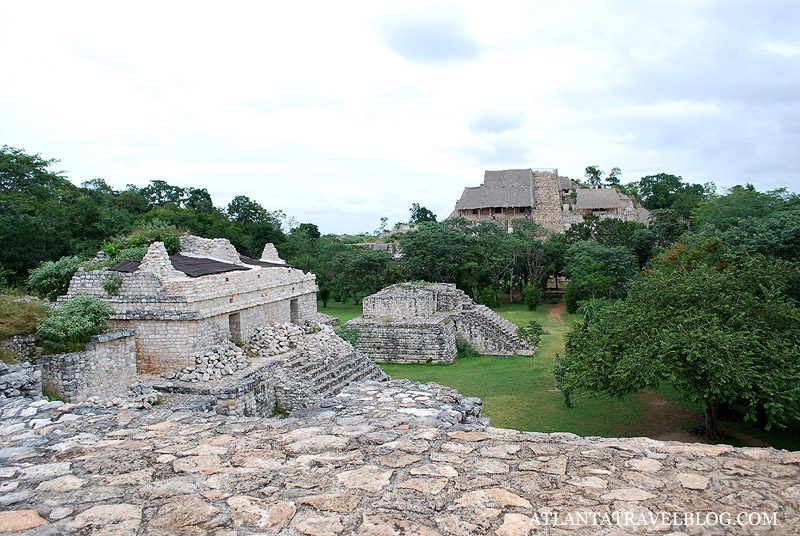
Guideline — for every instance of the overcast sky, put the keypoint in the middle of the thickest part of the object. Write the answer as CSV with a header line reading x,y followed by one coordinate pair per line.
x,y
339,113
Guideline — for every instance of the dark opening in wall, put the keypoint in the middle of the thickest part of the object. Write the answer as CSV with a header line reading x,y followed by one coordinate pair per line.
x,y
235,324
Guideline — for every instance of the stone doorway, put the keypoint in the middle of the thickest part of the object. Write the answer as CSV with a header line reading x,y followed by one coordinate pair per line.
x,y
294,311
235,325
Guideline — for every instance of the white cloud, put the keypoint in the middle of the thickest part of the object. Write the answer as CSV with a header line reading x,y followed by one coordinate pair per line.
x,y
340,113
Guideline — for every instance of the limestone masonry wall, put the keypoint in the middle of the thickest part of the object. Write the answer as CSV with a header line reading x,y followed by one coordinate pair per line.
x,y
432,340
385,458
105,368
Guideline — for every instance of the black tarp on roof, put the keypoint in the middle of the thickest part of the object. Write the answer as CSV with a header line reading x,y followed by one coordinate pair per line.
x,y
191,266
263,264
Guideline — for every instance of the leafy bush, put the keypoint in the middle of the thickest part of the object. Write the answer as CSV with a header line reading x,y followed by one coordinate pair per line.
x,y
350,334
128,247
532,295
464,348
531,334
111,283
72,321
488,297
51,279
572,296
135,252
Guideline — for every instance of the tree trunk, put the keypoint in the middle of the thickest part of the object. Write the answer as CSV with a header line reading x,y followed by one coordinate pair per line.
x,y
712,408
511,287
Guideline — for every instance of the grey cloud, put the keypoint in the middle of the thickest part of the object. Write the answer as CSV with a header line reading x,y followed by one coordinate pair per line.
x,y
431,39
496,122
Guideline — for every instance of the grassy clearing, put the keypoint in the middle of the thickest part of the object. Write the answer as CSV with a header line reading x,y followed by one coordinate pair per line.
x,y
342,311
520,393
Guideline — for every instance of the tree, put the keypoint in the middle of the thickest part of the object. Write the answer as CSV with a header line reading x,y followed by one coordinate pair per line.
x,y
420,214
435,252
594,174
718,328
740,202
597,271
613,176
20,172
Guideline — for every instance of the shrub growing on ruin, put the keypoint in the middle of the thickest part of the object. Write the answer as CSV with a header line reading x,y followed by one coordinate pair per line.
x,y
51,279
72,322
464,348
349,334
111,283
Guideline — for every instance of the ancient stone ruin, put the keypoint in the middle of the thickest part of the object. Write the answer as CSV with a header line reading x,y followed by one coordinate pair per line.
x,y
411,323
215,330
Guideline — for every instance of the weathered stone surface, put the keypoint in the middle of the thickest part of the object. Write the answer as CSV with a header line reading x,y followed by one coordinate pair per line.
x,y
692,480
18,520
332,502
159,471
369,478
320,526
121,518
264,515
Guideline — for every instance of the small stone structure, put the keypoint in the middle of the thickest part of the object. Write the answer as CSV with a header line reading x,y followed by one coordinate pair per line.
x,y
410,323
105,368
183,315
178,315
294,368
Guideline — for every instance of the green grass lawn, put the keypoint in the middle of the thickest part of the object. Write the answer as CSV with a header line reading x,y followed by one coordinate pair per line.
x,y
520,392
342,311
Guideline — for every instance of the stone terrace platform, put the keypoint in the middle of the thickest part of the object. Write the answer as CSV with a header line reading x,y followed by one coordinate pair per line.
x,y
386,458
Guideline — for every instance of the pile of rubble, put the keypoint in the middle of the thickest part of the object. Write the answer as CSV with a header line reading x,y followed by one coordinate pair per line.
x,y
139,396
274,339
223,359
323,342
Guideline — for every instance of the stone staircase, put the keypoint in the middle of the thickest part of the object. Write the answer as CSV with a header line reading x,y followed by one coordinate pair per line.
x,y
322,377
490,333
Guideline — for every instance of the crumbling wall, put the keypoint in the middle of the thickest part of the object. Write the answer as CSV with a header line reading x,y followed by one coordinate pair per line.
x,y
105,368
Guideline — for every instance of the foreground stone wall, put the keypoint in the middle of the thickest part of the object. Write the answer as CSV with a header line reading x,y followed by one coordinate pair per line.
x,y
380,459
106,368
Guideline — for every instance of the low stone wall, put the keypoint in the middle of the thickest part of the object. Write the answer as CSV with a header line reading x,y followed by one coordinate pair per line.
x,y
105,368
248,393
423,340
24,348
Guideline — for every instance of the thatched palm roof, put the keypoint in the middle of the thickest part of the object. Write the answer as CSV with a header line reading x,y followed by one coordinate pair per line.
x,y
506,188
599,199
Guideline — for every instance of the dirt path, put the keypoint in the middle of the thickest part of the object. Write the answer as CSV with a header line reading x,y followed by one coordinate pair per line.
x,y
556,311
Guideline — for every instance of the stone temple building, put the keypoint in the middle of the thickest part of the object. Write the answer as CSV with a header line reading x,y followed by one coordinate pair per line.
x,y
410,323
543,196
183,304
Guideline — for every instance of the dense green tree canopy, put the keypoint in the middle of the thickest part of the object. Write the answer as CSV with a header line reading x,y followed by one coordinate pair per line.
x,y
717,327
